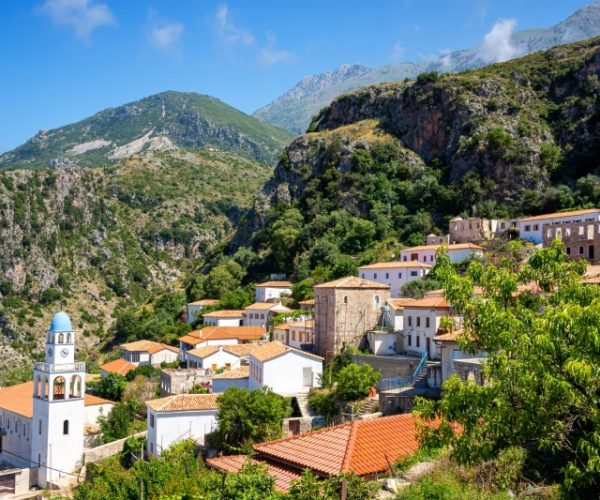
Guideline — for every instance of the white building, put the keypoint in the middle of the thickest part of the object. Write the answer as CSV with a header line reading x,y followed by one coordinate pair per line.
x,y
301,333
421,323
395,313
382,343
148,352
259,313
427,253
42,422
236,377
455,361
220,335
176,418
530,228
224,318
215,357
272,290
194,308
287,371
396,274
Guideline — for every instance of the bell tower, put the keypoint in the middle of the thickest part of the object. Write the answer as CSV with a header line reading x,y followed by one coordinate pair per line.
x,y
58,405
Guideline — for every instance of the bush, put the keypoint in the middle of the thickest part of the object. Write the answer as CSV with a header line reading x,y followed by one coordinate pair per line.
x,y
428,77
355,381
324,403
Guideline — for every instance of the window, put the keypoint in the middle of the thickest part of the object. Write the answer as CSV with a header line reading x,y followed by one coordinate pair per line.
x,y
536,227
400,275
374,276
404,258
152,420
431,258
527,227
568,250
409,340
427,322
376,299
293,335
410,321
424,258
66,427
418,321
134,357
418,341
580,250
363,275
345,300
413,273
387,276
40,427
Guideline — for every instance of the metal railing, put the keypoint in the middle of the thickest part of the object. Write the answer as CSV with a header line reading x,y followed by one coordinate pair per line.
x,y
67,367
420,367
387,384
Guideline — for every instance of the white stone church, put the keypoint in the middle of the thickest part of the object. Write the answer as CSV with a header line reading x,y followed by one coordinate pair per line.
x,y
43,422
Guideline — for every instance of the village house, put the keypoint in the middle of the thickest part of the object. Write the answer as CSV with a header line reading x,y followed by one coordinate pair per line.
x,y
173,419
43,422
259,313
223,318
421,324
287,371
581,240
236,377
220,335
362,447
395,274
194,308
530,228
281,333
301,334
395,313
215,357
455,361
148,352
477,229
117,367
345,310
427,253
436,239
271,291
307,305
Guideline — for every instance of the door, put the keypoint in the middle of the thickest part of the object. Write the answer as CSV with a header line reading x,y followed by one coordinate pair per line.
x,y
294,427
307,376
429,347
591,252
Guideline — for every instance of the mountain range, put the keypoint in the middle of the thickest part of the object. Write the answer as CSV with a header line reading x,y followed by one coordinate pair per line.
x,y
159,122
294,109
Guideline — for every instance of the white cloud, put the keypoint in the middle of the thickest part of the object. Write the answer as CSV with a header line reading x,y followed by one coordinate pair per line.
x,y
497,45
446,58
398,52
82,15
162,34
228,32
270,55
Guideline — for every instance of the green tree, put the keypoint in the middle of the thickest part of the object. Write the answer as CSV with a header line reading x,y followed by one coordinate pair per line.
x,y
252,482
355,381
542,371
116,424
247,417
110,387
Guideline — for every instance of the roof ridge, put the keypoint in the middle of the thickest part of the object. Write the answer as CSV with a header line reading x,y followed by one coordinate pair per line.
x,y
350,446
300,435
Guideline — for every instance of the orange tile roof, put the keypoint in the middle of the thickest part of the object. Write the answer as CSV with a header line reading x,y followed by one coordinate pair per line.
x,y
282,326
243,333
283,476
454,246
447,337
307,302
276,284
224,314
236,373
148,346
364,446
558,215
274,349
240,349
184,402
19,399
395,264
262,305
204,352
118,366
429,303
353,282
399,303
204,302
303,324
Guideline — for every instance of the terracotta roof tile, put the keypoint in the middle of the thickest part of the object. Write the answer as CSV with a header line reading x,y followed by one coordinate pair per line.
x,y
118,366
204,302
237,373
271,350
353,282
429,303
185,402
91,400
283,476
148,346
224,314
308,324
262,305
396,265
276,284
363,446
399,303
557,215
204,352
448,337
243,333
307,302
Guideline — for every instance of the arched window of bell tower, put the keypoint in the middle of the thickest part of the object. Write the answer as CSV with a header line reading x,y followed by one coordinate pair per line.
x,y
75,391
68,338
61,338
58,388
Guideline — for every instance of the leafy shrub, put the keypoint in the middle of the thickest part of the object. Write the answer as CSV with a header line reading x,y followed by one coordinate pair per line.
x,y
355,381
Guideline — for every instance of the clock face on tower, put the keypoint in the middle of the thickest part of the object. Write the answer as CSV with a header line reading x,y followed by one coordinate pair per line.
x,y
64,352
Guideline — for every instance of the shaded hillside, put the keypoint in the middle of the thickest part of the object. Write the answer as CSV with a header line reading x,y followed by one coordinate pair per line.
x,y
90,238
293,110
392,162
160,122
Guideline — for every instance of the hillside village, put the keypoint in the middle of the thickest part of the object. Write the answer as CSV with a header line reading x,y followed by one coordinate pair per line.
x,y
55,426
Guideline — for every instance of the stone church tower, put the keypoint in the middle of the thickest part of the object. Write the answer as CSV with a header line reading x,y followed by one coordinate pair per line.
x,y
58,405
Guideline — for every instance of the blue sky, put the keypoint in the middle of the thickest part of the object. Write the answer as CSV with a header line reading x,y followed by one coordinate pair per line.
x,y
63,60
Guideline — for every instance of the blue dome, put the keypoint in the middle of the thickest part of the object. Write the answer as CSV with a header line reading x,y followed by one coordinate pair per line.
x,y
61,323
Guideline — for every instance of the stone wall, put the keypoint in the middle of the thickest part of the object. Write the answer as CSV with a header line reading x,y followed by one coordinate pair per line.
x,y
181,381
93,455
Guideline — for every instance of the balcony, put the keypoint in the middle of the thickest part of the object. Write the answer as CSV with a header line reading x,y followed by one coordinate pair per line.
x,y
64,368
